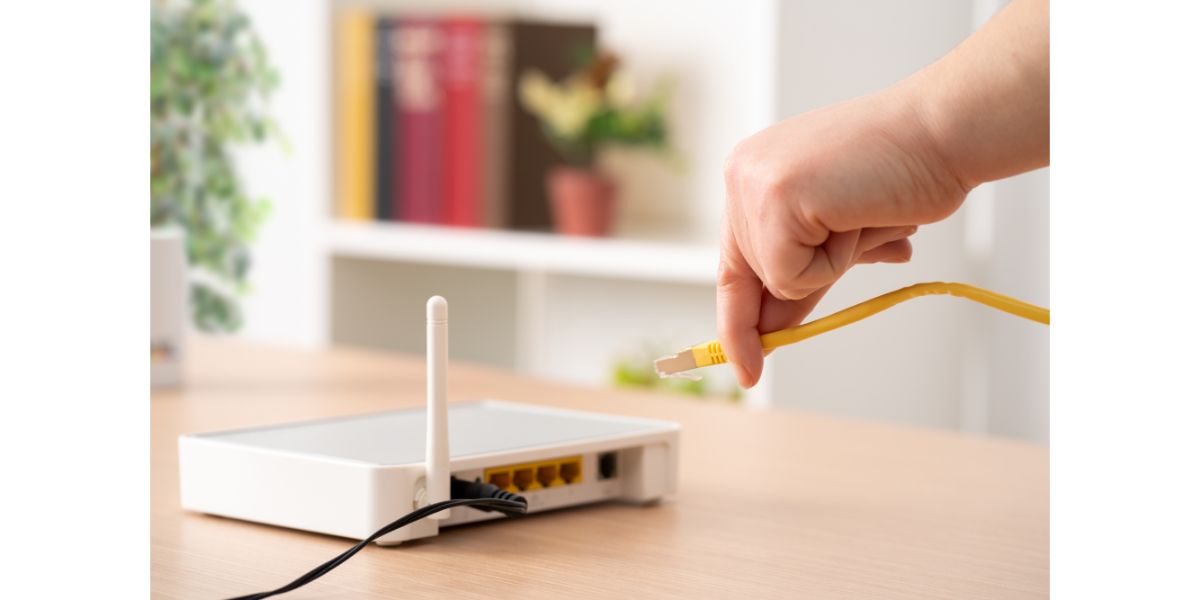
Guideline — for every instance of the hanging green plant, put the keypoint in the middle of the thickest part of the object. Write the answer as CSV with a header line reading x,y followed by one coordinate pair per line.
x,y
210,80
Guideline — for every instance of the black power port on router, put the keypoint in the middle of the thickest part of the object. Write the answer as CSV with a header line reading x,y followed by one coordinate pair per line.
x,y
608,465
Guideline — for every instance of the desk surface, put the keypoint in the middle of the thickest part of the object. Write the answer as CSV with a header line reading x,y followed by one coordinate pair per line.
x,y
771,504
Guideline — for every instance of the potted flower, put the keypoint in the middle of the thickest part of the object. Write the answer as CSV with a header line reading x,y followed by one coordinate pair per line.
x,y
209,81
590,110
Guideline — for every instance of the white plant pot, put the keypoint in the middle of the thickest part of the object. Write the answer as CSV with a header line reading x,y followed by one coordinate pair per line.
x,y
168,305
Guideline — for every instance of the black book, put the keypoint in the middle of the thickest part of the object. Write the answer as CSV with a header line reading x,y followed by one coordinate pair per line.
x,y
556,50
385,159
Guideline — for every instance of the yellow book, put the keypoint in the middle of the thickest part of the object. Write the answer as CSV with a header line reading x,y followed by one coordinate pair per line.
x,y
355,115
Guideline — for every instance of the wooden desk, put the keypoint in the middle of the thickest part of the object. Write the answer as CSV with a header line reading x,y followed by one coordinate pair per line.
x,y
771,504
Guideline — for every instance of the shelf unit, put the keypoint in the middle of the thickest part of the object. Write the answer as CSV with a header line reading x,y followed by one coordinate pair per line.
x,y
564,307
548,305
528,252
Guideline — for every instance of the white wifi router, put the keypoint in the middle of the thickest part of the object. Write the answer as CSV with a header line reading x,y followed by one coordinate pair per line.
x,y
350,476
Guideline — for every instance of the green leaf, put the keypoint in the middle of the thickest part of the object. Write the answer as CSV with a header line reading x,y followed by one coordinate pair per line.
x,y
210,79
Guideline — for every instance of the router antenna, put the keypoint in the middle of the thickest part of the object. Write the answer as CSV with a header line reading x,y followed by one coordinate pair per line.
x,y
437,443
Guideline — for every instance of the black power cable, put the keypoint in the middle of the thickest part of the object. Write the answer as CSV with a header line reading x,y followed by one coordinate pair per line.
x,y
476,494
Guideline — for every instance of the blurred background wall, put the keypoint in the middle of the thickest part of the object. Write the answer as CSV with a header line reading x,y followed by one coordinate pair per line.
x,y
567,309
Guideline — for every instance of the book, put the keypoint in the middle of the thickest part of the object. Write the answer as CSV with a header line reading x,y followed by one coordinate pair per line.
x,y
385,132
354,101
420,119
462,128
395,107
496,107
556,50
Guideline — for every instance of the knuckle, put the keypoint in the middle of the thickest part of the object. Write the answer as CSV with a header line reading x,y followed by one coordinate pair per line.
x,y
792,292
792,285
787,270
733,163
770,198
772,281
775,188
730,275
782,287
726,274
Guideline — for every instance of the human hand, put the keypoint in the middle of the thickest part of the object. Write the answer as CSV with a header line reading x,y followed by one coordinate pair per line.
x,y
810,197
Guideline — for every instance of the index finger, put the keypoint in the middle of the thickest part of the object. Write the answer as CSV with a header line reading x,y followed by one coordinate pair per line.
x,y
739,298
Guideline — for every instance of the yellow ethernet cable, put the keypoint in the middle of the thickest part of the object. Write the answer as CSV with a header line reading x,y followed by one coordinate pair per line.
x,y
710,353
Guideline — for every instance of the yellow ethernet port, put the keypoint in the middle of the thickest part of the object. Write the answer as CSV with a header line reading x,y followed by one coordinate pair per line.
x,y
523,479
571,470
535,476
501,478
547,475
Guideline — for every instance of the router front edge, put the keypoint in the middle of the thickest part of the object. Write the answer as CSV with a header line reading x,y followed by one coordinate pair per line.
x,y
350,476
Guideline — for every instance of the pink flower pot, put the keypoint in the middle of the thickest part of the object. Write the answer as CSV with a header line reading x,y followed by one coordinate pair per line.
x,y
583,201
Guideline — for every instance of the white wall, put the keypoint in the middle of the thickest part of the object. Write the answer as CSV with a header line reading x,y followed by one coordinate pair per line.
x,y
1018,352
831,51
1007,391
288,302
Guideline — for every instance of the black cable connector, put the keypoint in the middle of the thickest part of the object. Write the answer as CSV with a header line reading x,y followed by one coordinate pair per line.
x,y
462,488
476,494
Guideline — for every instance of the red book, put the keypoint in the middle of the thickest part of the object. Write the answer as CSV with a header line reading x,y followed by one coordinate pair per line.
x,y
462,94
420,122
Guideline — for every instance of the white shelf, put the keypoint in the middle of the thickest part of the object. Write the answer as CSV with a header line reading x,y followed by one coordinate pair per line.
x,y
619,258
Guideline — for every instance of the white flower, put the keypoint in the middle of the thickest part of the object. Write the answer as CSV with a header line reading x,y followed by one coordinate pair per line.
x,y
537,92
620,90
566,108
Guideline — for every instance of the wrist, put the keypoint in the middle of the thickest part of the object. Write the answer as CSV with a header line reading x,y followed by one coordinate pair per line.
x,y
928,110
935,185
986,104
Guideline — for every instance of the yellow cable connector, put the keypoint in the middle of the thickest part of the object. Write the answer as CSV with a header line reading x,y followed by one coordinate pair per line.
x,y
710,353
